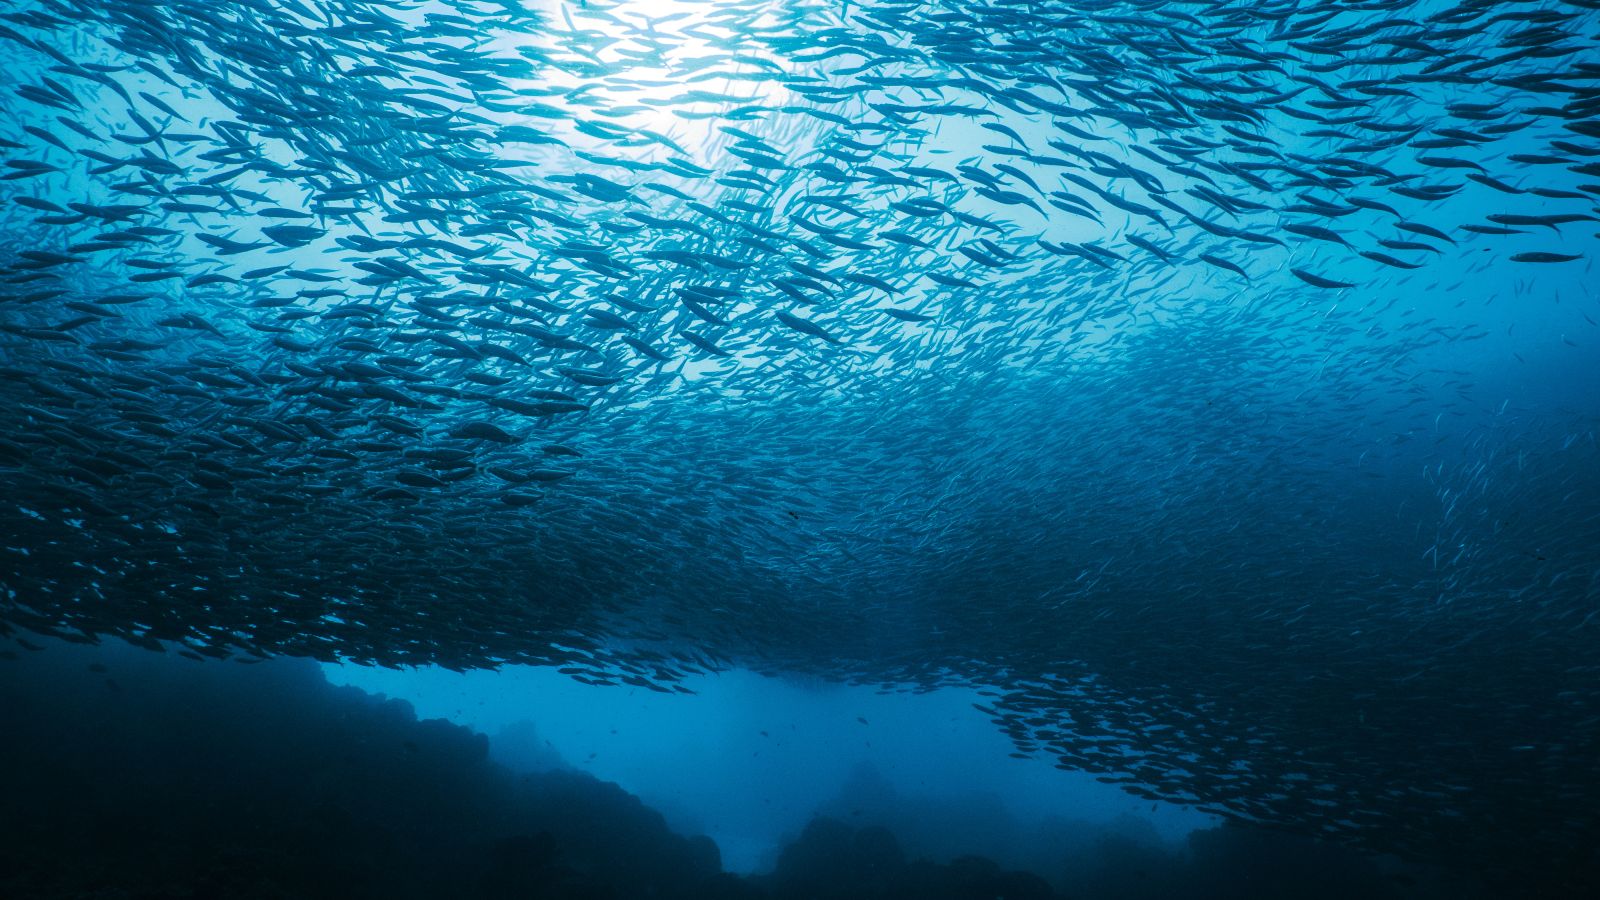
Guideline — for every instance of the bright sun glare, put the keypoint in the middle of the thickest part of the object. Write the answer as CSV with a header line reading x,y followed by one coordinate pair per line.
x,y
666,69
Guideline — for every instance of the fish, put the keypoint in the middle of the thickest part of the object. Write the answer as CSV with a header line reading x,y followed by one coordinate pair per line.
x,y
1316,280
1539,256
883,330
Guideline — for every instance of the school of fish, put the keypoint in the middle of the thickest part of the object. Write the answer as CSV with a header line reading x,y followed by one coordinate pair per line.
x,y
1120,357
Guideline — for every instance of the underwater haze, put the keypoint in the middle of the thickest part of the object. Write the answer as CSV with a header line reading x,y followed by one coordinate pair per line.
x,y
747,448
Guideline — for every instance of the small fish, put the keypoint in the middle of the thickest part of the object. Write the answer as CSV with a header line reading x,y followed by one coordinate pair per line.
x,y
1535,256
1318,281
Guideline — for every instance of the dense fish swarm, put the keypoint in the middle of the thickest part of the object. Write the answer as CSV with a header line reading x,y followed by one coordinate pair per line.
x,y
1155,364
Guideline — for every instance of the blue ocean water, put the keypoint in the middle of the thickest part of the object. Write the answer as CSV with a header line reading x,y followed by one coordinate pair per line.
x,y
823,448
